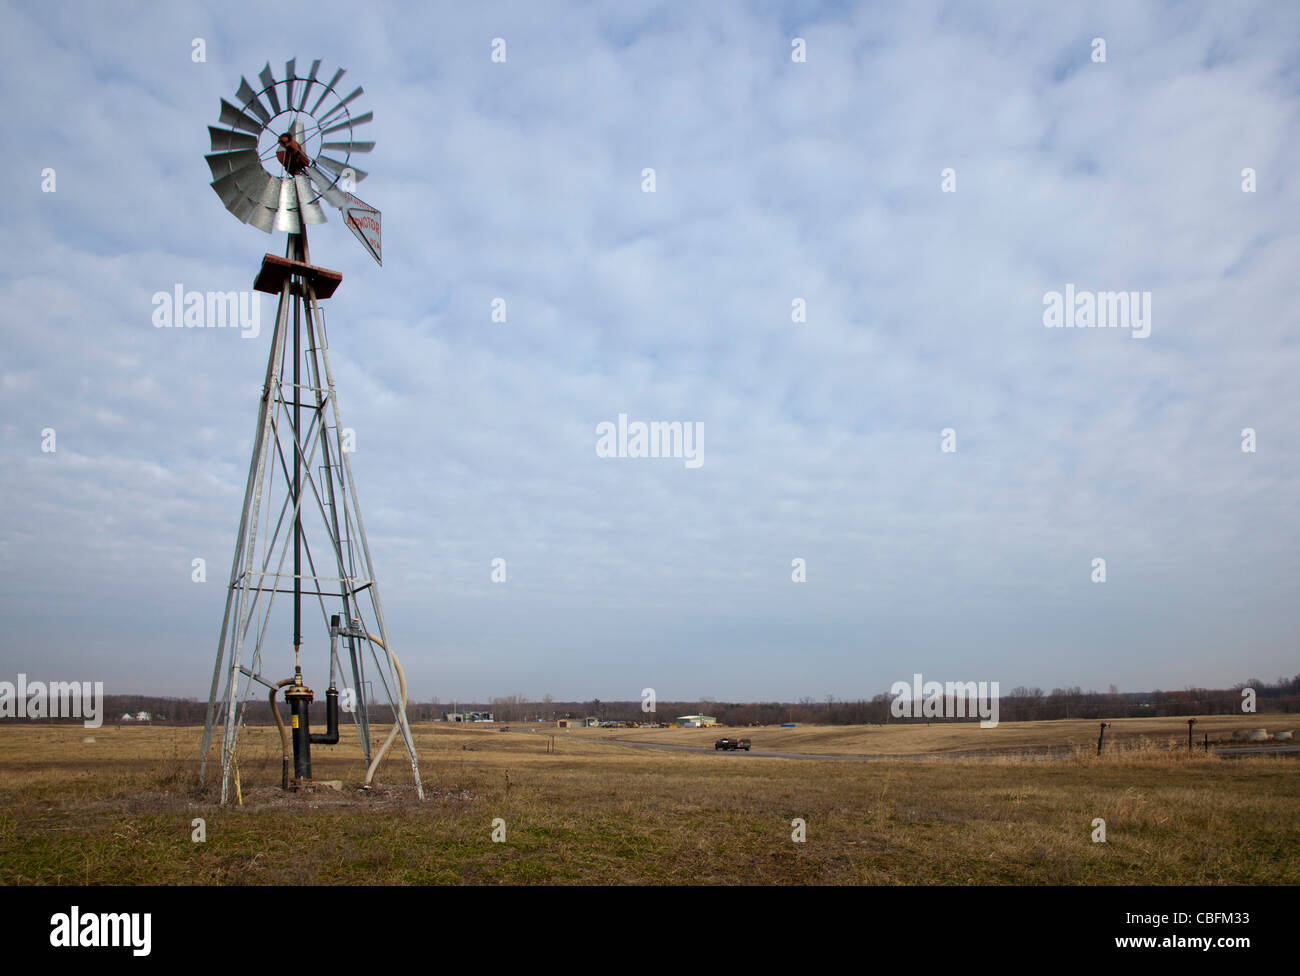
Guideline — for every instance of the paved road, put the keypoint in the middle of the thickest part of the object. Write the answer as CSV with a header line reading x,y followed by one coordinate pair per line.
x,y
709,751
1231,752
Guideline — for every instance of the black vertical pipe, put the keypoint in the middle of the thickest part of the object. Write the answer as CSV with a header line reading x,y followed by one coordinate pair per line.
x,y
299,703
297,465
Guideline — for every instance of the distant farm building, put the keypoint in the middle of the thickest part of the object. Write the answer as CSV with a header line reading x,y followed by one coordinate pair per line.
x,y
577,723
467,717
696,721
142,716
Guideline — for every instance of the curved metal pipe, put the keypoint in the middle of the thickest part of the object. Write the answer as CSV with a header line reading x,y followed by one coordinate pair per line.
x,y
284,735
397,723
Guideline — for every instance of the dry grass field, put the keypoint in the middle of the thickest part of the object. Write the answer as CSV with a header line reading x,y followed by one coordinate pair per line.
x,y
115,806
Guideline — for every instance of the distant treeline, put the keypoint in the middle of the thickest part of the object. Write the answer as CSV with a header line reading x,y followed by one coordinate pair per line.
x,y
1017,705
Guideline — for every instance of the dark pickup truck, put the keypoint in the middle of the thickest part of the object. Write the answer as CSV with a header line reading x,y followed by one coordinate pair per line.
x,y
731,744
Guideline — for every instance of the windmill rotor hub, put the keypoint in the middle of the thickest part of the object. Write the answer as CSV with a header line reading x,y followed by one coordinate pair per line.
x,y
270,141
291,154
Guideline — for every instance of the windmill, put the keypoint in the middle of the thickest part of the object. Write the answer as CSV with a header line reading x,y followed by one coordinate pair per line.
x,y
277,152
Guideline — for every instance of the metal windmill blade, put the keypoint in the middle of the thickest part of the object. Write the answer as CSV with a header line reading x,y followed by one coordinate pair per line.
x,y
270,161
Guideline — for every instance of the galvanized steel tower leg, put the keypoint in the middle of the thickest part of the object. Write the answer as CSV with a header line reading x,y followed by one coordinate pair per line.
x,y
245,552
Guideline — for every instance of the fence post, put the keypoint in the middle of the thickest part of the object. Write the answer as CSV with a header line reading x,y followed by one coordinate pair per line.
x,y
1190,723
1101,735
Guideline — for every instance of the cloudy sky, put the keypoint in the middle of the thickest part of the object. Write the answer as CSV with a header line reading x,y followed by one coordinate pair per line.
x,y
775,180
